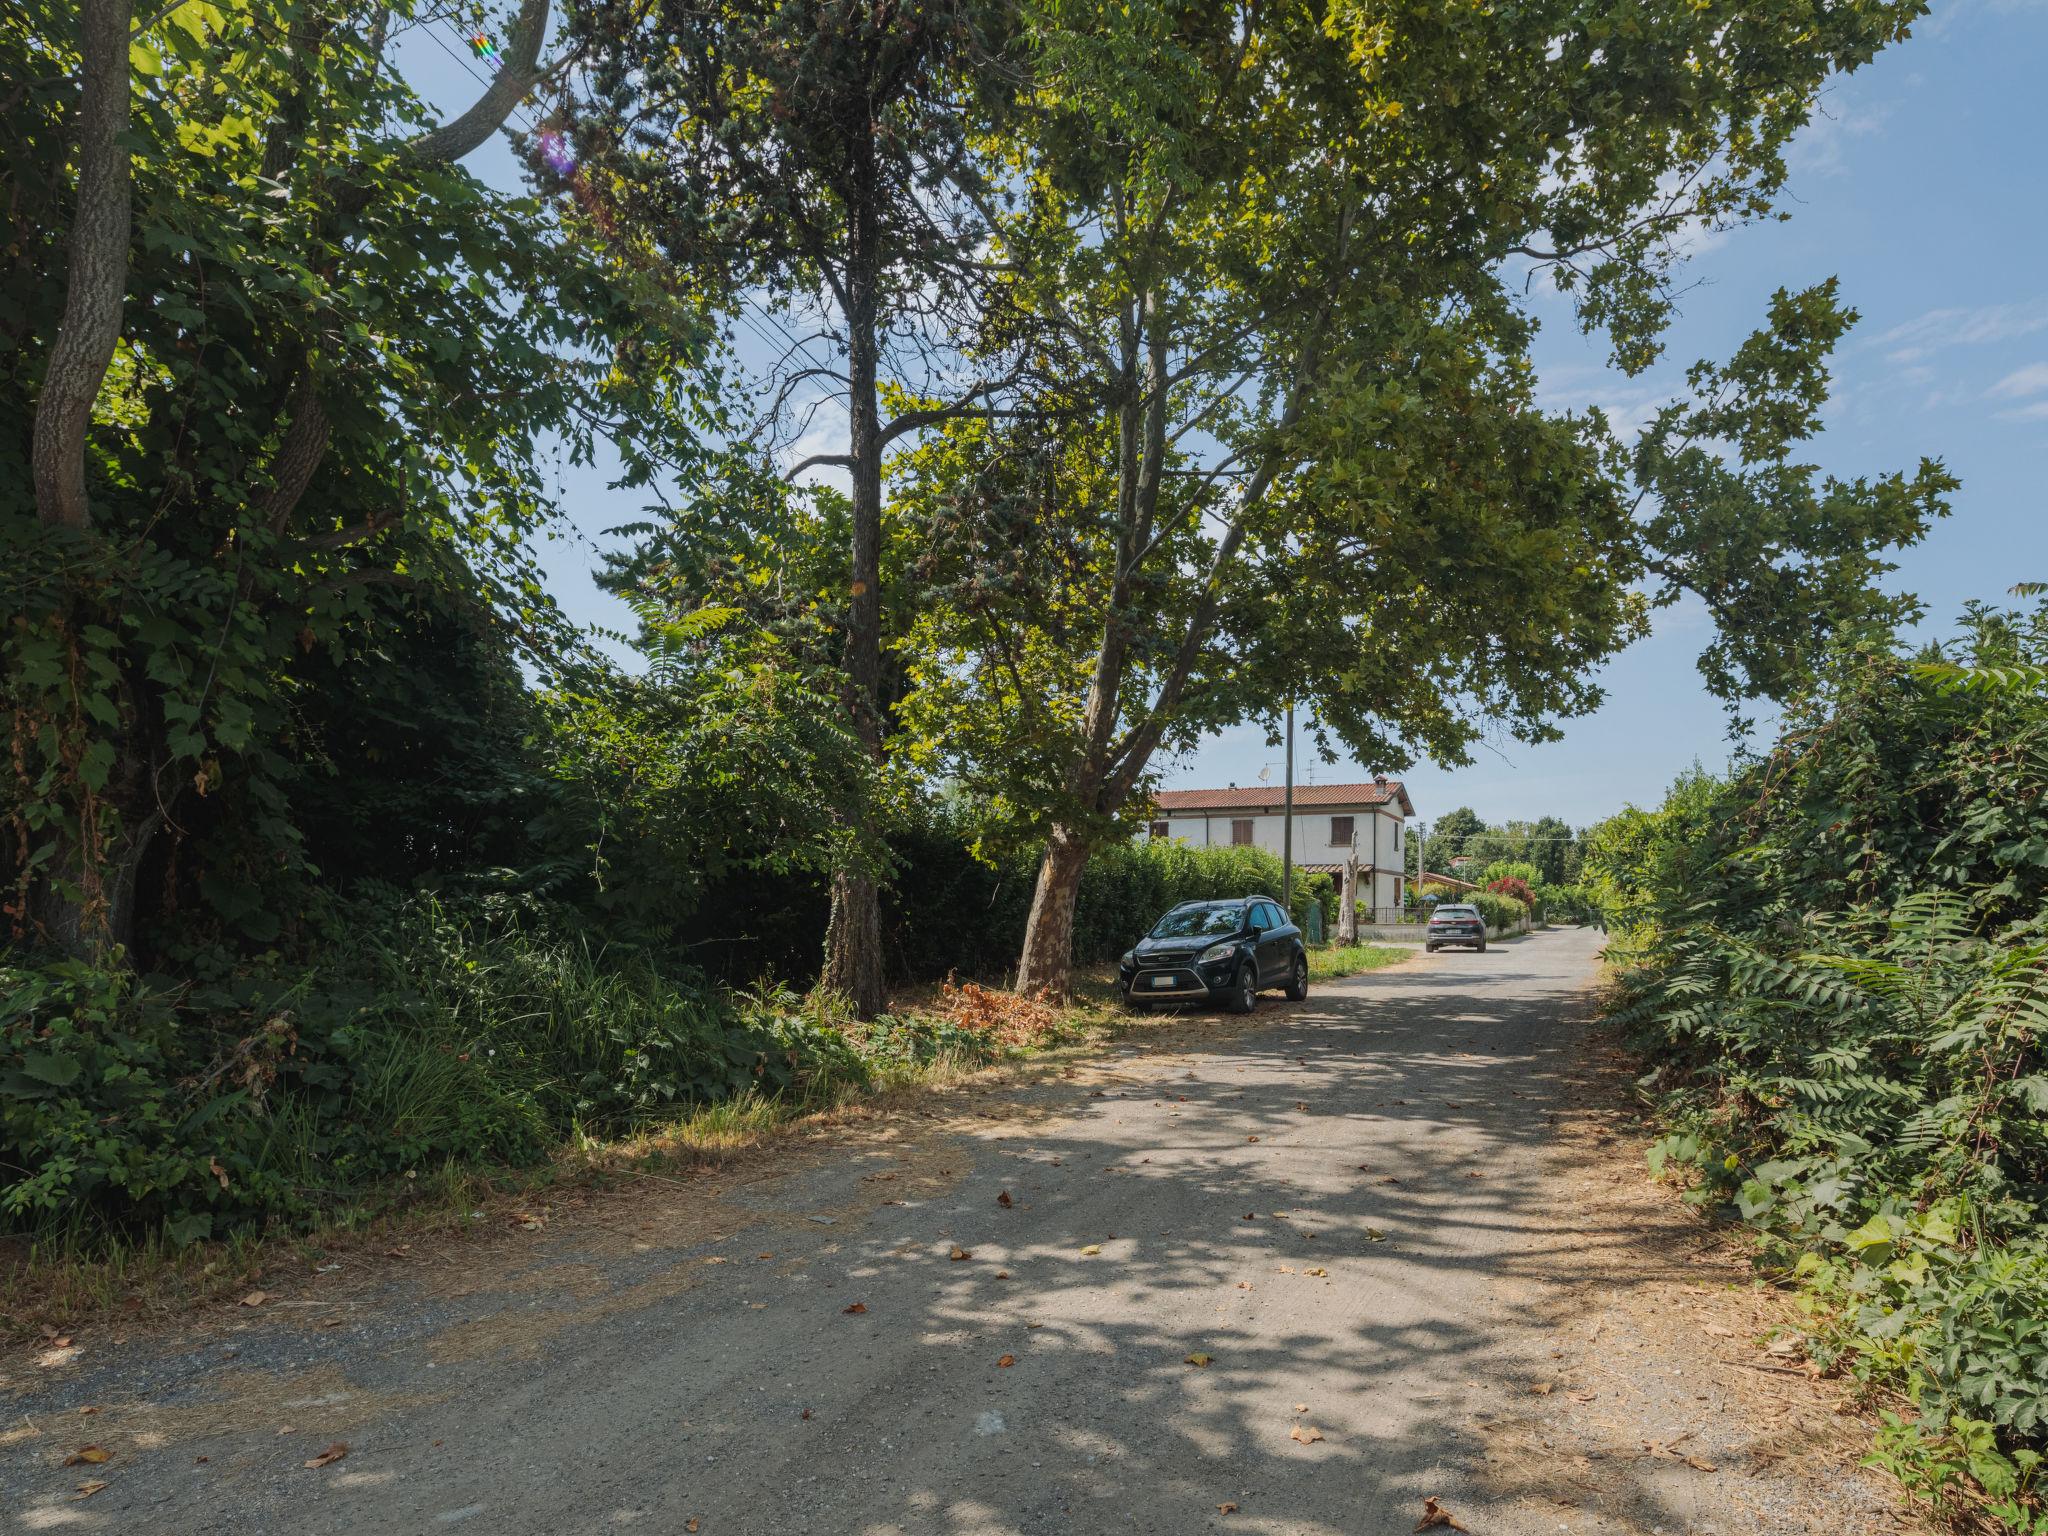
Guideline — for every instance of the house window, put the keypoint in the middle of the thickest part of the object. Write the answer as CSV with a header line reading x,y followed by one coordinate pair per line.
x,y
1159,829
1341,832
1241,832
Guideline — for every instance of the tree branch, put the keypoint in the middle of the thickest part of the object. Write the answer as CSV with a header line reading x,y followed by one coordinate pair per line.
x,y
820,461
516,76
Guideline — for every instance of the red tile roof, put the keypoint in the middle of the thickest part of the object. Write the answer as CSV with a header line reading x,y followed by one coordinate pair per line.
x,y
1270,798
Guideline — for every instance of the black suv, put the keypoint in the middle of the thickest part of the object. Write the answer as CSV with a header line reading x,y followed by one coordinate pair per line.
x,y
1216,951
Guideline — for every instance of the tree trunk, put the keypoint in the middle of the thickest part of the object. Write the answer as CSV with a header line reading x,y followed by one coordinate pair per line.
x,y
853,936
1047,965
97,281
1347,910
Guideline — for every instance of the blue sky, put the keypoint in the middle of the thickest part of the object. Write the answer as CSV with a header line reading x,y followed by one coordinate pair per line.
x,y
1920,186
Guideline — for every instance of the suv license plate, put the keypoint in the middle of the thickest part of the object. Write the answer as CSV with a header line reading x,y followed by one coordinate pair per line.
x,y
1162,981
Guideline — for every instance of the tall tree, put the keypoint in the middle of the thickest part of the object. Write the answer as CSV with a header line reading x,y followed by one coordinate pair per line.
x,y
819,155
317,364
1551,848
1284,244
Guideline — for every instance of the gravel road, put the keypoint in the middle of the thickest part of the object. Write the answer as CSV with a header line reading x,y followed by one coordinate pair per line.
x,y
1290,1276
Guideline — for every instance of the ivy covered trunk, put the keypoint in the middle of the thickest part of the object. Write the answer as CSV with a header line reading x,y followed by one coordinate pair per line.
x,y
1047,965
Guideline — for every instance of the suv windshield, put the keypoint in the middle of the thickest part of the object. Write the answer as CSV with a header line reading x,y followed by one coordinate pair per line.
x,y
1457,911
1195,922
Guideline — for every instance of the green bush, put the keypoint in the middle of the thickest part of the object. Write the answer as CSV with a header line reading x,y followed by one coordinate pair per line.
x,y
1839,959
1502,913
428,1036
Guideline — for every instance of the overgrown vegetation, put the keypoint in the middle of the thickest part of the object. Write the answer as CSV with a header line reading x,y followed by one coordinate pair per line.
x,y
1839,955
333,853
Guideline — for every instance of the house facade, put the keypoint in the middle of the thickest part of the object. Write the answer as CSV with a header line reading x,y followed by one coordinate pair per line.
x,y
1331,822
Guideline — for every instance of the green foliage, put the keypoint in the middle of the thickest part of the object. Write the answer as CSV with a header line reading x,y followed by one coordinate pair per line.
x,y
1839,956
1503,914
342,366
428,1035
952,911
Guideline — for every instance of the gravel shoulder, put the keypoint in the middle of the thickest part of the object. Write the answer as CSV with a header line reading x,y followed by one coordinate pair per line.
x,y
1295,1275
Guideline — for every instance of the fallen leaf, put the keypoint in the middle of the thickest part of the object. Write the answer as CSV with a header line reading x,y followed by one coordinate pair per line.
x,y
1718,1331
94,1408
1540,1388
1307,1434
958,1254
1434,1513
1319,1271
255,1298
87,1455
530,1222
1006,1362
1002,1274
693,1524
1226,1509
331,1455
1092,1248
1375,1235
213,1166
1251,1138
1004,1200
1244,1285
87,1490
1700,1466
1199,1359
62,1341
1301,1407
1584,1395
857,1308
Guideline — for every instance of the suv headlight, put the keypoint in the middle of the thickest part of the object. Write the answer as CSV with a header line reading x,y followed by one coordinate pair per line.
x,y
1217,952
1129,961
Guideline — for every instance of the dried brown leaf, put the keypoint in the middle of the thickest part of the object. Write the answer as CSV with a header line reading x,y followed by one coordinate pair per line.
x,y
1307,1434
87,1456
856,1309
330,1456
1434,1514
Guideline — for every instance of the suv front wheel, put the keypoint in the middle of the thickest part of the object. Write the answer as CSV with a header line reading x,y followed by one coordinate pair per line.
x,y
1244,991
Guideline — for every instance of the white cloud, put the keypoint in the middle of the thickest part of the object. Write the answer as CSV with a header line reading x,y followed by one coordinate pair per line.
x,y
1819,147
2038,411
2030,380
1958,327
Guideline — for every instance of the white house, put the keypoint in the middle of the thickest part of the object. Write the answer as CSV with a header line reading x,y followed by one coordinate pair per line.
x,y
1330,821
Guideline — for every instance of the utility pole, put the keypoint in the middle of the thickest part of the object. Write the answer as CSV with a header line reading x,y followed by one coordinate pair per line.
x,y
1287,826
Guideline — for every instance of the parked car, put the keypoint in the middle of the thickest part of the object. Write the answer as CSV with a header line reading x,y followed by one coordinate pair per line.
x,y
1455,923
1223,952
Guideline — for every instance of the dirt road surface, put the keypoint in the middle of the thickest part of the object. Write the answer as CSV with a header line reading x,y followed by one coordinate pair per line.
x,y
1296,1275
